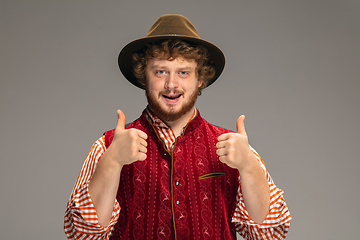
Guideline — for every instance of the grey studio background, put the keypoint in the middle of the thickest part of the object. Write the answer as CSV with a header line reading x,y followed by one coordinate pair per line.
x,y
293,68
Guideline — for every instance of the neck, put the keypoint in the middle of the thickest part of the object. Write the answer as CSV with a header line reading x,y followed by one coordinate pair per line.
x,y
178,125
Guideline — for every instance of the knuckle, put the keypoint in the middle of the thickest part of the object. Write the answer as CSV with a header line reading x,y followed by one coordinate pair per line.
x,y
134,156
132,133
134,146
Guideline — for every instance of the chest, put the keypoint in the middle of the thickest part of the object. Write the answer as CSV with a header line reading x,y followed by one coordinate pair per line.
x,y
185,193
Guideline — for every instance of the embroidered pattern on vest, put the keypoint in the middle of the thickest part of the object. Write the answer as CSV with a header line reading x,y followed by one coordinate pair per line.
x,y
188,191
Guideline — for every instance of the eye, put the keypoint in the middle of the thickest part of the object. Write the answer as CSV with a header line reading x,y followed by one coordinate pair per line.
x,y
183,73
160,72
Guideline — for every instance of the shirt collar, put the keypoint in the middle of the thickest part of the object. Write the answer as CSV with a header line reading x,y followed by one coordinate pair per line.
x,y
157,122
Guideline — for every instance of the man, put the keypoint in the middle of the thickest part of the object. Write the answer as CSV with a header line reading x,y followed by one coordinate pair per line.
x,y
170,174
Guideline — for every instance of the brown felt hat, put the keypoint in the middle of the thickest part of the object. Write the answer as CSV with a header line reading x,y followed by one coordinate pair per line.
x,y
169,26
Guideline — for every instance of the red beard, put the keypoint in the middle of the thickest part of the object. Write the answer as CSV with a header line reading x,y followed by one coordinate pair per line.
x,y
170,115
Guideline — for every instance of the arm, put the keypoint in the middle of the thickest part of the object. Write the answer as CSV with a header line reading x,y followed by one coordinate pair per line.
x,y
255,190
127,146
261,211
92,209
277,222
80,220
234,150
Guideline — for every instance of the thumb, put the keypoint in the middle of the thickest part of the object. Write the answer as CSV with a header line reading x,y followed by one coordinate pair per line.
x,y
240,126
121,120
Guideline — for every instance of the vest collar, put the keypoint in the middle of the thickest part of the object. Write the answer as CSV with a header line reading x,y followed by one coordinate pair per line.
x,y
191,126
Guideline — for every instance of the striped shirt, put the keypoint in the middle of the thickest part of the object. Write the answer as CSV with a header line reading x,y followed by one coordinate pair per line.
x,y
81,222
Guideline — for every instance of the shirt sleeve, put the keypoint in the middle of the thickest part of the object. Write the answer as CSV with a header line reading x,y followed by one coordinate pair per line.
x,y
80,220
277,223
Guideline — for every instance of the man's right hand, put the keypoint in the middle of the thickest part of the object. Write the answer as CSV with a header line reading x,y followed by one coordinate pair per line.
x,y
128,145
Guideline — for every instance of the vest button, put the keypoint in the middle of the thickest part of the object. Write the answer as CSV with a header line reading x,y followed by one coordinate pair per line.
x,y
177,202
165,154
177,183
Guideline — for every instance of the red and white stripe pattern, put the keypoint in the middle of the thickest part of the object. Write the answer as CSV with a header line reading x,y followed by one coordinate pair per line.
x,y
277,223
81,222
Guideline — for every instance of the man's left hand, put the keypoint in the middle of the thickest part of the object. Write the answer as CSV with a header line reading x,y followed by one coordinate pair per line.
x,y
233,148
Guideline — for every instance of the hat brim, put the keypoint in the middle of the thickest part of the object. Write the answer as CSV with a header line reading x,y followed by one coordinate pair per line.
x,y
216,56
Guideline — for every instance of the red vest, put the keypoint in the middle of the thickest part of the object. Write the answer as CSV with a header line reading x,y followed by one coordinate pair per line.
x,y
183,194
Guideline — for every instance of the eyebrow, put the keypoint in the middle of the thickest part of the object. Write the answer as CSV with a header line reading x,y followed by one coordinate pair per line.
x,y
164,67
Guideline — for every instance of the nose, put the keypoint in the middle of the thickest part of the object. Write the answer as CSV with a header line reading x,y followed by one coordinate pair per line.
x,y
172,81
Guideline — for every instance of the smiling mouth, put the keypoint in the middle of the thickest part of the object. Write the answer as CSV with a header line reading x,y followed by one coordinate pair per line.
x,y
172,96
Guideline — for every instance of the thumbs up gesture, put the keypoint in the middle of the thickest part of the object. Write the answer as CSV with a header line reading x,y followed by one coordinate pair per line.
x,y
233,148
128,145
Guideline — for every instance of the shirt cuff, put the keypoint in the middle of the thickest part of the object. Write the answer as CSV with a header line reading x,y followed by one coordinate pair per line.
x,y
84,215
278,213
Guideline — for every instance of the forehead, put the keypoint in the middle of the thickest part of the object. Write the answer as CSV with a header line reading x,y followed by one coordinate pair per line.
x,y
179,62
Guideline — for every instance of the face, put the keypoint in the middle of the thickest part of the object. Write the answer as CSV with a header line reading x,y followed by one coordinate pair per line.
x,y
172,87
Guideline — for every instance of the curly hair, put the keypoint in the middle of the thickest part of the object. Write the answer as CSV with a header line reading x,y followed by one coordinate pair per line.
x,y
171,49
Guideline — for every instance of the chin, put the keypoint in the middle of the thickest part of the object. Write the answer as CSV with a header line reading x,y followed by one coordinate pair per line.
x,y
171,112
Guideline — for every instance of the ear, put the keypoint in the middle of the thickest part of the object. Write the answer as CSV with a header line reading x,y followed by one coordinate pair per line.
x,y
200,83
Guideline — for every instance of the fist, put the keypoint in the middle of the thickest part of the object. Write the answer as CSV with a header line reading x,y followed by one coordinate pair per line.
x,y
128,145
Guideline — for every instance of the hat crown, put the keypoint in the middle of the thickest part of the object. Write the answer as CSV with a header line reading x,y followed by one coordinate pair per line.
x,y
173,25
